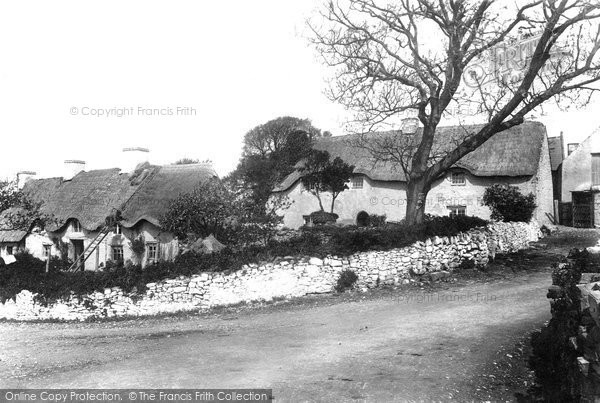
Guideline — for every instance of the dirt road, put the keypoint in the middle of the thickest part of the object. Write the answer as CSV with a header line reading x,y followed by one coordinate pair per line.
x,y
461,340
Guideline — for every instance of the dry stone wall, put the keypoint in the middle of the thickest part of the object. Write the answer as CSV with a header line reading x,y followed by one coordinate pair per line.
x,y
284,277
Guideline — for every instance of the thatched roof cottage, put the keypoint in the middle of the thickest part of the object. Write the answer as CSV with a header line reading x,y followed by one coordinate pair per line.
x,y
80,206
518,156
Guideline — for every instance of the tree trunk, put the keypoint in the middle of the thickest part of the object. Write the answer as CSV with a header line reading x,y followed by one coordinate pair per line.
x,y
319,199
416,194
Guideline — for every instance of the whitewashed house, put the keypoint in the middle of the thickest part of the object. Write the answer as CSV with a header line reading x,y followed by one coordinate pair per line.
x,y
518,156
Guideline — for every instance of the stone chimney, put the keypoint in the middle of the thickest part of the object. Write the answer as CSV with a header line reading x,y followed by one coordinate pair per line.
x,y
23,177
132,157
72,168
410,125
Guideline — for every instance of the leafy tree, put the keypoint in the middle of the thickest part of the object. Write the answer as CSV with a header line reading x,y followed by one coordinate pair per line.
x,y
10,195
205,210
271,151
27,212
508,203
427,58
321,174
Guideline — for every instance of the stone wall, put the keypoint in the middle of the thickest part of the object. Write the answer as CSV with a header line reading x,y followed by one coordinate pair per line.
x,y
284,277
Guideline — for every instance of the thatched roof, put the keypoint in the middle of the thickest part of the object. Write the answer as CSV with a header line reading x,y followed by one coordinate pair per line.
x,y
8,231
91,197
555,147
154,196
514,152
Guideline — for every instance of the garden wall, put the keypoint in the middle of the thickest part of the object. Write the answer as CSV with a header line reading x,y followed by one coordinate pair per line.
x,y
284,277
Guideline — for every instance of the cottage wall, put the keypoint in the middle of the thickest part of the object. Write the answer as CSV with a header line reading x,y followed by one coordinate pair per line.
x,y
166,242
35,242
577,167
543,186
4,246
389,198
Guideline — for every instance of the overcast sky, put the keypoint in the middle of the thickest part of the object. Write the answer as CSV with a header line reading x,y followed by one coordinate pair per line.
x,y
228,66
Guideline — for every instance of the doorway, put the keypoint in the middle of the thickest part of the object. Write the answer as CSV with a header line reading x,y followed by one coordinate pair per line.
x,y
362,219
77,251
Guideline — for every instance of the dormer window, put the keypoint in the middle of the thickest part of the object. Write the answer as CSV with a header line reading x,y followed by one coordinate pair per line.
x,y
357,182
458,178
76,226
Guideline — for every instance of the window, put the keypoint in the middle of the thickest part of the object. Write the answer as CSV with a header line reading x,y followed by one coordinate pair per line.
x,y
357,182
46,251
458,178
595,169
152,251
457,211
118,229
117,253
76,226
9,250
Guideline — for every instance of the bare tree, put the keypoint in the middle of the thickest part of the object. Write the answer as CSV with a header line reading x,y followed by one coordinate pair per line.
x,y
428,57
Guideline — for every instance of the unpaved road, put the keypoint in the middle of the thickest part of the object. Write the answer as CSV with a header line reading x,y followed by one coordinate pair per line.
x,y
448,341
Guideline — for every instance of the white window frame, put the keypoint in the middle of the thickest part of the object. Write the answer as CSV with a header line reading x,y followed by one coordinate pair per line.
x,y
114,248
47,250
458,178
357,182
118,230
77,226
149,256
457,211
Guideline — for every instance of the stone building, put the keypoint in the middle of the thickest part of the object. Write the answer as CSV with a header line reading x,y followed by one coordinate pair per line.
x,y
518,156
580,188
80,206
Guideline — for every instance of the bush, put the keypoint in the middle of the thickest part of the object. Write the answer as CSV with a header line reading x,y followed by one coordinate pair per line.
x,y
377,220
323,217
346,280
508,203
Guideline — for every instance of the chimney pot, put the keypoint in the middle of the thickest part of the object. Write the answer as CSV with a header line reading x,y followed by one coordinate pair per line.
x,y
72,168
23,177
133,156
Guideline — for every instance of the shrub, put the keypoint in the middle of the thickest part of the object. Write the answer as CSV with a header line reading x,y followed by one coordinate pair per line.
x,y
377,220
346,280
323,217
508,203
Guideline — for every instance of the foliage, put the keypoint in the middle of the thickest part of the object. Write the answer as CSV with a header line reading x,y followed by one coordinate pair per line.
x,y
27,212
29,273
508,203
254,224
10,195
138,246
553,358
323,218
376,220
346,280
384,71
201,212
271,150
321,174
